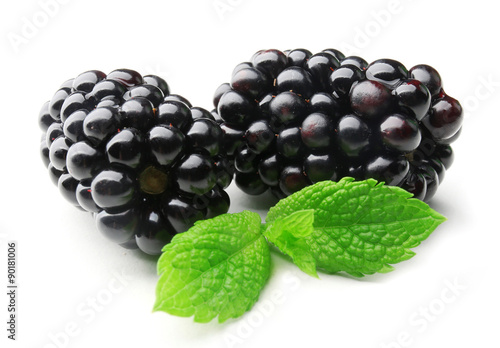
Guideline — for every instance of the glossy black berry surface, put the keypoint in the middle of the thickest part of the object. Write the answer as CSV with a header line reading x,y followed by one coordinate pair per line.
x,y
293,118
144,161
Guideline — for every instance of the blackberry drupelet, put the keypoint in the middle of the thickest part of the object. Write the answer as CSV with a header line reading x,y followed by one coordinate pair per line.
x,y
294,118
145,162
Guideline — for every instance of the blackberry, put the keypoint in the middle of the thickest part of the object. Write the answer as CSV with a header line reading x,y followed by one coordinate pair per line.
x,y
145,162
294,118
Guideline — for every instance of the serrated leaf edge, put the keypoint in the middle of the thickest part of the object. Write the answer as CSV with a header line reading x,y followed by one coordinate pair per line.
x,y
158,306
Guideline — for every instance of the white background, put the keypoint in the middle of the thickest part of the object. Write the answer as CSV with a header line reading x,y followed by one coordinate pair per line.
x,y
64,262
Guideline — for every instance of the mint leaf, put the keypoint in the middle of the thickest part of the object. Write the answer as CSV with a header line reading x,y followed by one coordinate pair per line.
x,y
298,225
359,227
216,268
288,233
219,266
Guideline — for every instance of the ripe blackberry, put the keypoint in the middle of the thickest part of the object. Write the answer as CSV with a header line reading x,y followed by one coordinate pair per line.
x,y
294,118
144,161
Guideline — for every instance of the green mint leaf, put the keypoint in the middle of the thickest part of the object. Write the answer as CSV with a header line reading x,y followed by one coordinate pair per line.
x,y
216,268
299,224
288,233
360,227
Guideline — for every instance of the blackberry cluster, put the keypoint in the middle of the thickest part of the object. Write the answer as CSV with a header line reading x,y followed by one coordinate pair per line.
x,y
292,118
144,161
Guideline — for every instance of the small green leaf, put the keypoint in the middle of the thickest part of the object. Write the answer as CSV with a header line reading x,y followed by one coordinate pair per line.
x,y
359,227
217,268
304,260
288,232
298,224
